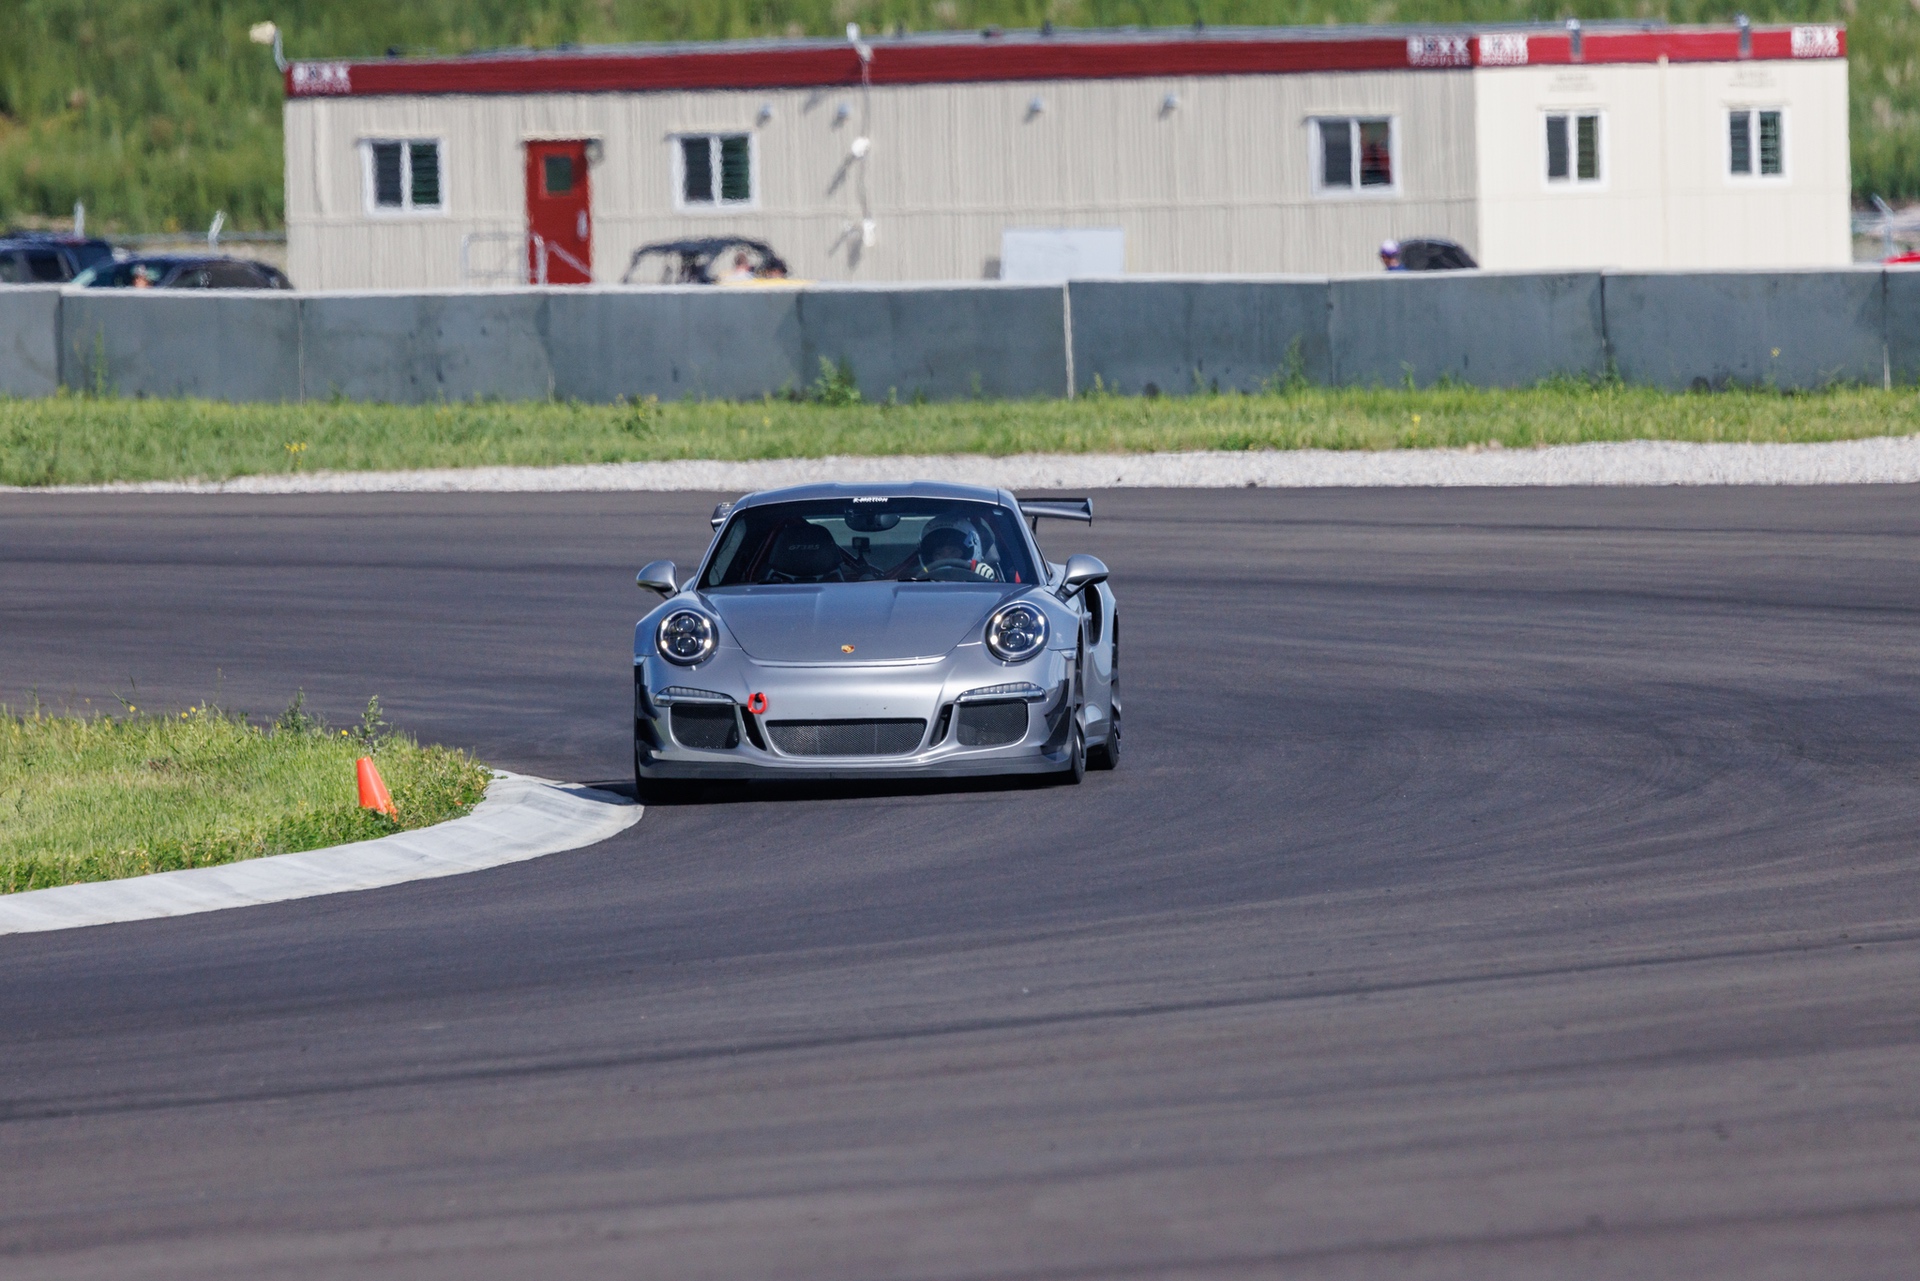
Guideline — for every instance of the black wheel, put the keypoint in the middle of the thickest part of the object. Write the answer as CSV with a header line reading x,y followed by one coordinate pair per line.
x,y
1107,755
652,791
1076,771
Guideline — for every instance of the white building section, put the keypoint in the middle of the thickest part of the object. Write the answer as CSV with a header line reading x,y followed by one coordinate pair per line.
x,y
1048,255
1210,151
1700,165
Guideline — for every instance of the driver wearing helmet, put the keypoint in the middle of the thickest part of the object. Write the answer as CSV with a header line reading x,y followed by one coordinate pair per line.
x,y
953,543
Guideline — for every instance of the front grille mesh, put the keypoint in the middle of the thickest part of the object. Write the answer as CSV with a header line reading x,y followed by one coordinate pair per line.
x,y
846,738
991,724
705,726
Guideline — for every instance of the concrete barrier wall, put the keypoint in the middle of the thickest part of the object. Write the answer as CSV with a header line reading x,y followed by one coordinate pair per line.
x,y
1901,301
1134,336
1751,328
944,342
413,348
29,341
1486,329
215,345
1148,337
731,344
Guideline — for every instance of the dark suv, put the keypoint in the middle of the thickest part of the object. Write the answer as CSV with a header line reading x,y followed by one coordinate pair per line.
x,y
48,258
183,271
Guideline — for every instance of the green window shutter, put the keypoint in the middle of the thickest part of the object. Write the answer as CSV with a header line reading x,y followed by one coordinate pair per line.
x,y
424,157
736,169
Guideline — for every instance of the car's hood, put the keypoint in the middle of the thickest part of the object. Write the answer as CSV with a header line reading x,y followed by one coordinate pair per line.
x,y
883,622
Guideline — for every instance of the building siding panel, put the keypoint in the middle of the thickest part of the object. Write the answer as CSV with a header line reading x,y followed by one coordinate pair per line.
x,y
1219,183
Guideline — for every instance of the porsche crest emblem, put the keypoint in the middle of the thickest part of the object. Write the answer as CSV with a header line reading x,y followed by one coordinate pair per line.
x,y
846,649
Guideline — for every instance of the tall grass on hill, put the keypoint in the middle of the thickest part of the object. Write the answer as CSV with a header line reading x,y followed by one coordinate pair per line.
x,y
93,798
83,440
158,112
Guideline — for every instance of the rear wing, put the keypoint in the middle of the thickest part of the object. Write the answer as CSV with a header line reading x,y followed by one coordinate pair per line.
x,y
1080,509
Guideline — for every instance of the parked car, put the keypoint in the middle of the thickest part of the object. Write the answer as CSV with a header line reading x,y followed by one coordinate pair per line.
x,y
183,271
713,260
1435,255
48,257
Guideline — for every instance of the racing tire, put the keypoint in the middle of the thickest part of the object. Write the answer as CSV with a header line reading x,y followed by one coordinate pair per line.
x,y
1076,771
1107,755
652,791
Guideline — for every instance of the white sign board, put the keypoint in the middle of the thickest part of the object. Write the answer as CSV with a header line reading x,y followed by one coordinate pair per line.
x,y
1049,255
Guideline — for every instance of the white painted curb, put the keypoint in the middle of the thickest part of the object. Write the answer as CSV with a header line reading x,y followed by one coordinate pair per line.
x,y
520,818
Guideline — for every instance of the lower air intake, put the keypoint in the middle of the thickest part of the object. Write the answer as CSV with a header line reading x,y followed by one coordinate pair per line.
x,y
846,738
991,724
709,727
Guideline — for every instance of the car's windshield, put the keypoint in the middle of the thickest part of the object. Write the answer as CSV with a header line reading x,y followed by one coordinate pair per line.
x,y
862,540
92,253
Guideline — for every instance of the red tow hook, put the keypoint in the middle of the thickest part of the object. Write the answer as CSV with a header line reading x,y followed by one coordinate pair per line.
x,y
756,703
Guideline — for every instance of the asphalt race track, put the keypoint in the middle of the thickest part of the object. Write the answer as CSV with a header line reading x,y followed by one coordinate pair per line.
x,y
1497,884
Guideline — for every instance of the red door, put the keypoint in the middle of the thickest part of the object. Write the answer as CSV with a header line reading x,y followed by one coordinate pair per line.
x,y
559,218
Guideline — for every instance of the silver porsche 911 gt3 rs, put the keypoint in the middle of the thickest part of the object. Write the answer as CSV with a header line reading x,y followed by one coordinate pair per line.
x,y
863,631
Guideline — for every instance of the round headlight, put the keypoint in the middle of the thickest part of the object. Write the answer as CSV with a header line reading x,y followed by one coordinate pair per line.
x,y
686,636
1016,632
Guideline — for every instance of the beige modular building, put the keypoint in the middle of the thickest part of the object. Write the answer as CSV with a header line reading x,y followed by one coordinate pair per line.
x,y
1034,155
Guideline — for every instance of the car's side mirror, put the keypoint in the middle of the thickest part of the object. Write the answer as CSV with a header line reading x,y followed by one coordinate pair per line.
x,y
661,576
1082,572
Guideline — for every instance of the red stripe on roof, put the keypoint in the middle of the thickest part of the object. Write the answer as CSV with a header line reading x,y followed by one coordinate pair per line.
x,y
600,73
1773,45
1102,61
924,64
993,60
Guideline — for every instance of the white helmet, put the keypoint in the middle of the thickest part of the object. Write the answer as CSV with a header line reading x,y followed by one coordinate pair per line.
x,y
961,530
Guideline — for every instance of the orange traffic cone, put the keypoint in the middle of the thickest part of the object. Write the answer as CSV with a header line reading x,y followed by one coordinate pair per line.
x,y
373,788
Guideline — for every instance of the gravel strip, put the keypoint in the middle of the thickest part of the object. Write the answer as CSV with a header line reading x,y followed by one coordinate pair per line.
x,y
1878,460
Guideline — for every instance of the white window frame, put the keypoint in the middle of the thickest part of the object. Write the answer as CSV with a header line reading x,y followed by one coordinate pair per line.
x,y
406,208
1353,120
1573,181
1752,112
716,205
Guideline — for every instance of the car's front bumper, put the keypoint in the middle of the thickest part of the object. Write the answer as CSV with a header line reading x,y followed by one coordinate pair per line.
x,y
932,692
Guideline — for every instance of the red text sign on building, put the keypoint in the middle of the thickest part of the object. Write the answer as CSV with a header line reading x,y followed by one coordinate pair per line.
x,y
1438,51
1503,50
320,77
1816,42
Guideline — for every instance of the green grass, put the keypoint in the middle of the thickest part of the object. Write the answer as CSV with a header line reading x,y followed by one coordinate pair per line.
x,y
158,112
84,440
95,798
